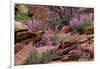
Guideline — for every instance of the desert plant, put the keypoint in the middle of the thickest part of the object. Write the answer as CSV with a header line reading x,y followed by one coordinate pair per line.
x,y
54,37
21,16
78,27
86,23
38,58
79,22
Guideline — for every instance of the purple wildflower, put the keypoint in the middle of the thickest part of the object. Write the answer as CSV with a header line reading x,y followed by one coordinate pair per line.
x,y
81,18
77,49
73,22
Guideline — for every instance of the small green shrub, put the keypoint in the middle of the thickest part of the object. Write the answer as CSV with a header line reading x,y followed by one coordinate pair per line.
x,y
54,37
21,16
38,58
86,23
80,26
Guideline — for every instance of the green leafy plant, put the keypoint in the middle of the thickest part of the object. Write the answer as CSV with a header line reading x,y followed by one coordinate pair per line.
x,y
38,58
86,23
80,26
21,16
54,37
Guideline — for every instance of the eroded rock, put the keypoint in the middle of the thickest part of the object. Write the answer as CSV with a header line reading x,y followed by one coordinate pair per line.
x,y
89,30
18,47
20,27
43,49
24,54
24,35
65,29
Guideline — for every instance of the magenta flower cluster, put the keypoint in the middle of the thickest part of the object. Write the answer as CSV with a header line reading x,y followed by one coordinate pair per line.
x,y
81,18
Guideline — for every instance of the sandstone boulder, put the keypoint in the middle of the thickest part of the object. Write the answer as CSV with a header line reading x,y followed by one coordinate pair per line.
x,y
22,56
18,47
65,29
20,27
